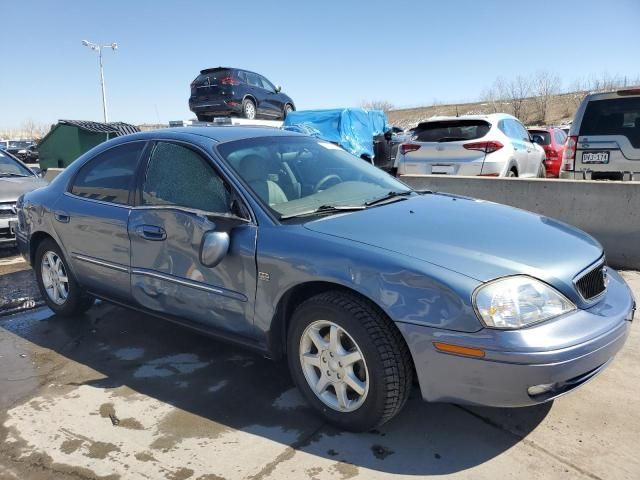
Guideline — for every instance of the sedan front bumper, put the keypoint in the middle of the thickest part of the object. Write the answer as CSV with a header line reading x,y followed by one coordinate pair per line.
x,y
563,353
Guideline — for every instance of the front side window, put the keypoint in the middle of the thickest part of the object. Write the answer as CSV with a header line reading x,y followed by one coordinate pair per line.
x,y
11,168
178,176
267,85
109,176
297,174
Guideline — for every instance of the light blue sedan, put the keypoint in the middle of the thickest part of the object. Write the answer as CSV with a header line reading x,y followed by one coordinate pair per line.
x,y
290,246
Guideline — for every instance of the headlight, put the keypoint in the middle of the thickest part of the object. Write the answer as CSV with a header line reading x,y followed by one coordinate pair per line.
x,y
519,301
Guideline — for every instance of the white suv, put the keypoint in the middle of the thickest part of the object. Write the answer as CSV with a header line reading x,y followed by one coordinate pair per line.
x,y
604,139
495,145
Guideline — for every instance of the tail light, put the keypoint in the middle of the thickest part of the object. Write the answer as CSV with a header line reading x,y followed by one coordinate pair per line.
x,y
486,147
229,80
408,147
569,155
551,154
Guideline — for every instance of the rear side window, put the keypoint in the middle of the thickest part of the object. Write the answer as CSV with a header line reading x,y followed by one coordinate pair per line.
x,y
616,116
451,130
109,176
178,176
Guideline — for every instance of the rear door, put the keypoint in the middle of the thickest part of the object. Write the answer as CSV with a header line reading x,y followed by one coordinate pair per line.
x,y
259,93
609,136
441,148
521,145
181,198
91,219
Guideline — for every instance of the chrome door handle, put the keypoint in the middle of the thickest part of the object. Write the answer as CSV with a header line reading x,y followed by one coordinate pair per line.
x,y
151,232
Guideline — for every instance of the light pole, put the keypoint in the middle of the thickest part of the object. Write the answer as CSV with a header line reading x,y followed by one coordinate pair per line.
x,y
98,48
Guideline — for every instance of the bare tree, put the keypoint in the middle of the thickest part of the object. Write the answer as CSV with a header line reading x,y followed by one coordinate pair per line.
x,y
31,129
545,86
383,105
515,92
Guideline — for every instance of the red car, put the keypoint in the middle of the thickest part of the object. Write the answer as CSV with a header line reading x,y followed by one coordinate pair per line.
x,y
552,139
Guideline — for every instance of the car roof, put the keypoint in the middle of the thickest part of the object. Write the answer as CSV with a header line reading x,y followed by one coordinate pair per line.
x,y
488,116
219,133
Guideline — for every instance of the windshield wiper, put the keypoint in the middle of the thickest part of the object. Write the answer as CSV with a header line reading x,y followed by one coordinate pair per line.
x,y
389,196
12,175
324,209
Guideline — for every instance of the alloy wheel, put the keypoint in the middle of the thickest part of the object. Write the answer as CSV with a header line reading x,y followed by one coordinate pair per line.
x,y
54,278
249,110
334,366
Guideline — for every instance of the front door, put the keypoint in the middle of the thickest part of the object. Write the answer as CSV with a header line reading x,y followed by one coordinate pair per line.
x,y
182,198
91,220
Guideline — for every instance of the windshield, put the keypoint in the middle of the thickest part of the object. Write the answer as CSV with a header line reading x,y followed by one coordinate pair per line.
x,y
451,130
294,175
10,167
544,135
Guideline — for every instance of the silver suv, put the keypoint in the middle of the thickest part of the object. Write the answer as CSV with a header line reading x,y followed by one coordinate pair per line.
x,y
604,139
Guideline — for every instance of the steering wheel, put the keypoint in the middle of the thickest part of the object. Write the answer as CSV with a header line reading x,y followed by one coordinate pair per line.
x,y
336,179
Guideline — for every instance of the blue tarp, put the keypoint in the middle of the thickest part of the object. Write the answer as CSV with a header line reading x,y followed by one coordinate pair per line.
x,y
351,128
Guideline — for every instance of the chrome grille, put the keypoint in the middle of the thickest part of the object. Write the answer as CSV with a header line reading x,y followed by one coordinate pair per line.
x,y
593,283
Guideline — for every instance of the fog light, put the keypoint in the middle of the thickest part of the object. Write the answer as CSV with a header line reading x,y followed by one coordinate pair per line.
x,y
540,389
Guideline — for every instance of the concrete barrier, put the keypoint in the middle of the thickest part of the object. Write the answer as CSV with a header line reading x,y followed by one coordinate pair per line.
x,y
610,211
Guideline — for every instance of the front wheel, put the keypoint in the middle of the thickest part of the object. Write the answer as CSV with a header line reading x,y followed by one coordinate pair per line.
x,y
288,108
56,282
349,360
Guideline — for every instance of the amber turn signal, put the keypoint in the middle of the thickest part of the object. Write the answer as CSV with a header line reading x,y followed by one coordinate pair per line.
x,y
459,350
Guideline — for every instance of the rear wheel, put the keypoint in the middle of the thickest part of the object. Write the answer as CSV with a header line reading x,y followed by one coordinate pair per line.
x,y
350,362
56,282
512,173
204,118
249,109
542,171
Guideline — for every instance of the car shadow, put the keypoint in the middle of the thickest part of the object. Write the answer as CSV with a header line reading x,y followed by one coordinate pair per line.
x,y
238,390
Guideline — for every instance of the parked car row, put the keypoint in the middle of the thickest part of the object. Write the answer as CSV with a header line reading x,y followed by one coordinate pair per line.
x,y
25,150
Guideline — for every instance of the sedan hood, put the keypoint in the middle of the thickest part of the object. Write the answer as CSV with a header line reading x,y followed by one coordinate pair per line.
x,y
479,239
12,187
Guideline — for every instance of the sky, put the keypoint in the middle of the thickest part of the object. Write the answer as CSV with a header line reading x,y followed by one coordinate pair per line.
x,y
324,53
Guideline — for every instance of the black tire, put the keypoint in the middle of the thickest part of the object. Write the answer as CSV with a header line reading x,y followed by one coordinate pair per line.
x,y
204,118
77,301
542,171
249,106
288,108
512,173
383,348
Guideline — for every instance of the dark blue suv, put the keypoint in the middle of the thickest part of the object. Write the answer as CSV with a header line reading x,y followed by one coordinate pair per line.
x,y
224,91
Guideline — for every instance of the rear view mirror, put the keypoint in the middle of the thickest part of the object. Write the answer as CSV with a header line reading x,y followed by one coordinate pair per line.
x,y
214,247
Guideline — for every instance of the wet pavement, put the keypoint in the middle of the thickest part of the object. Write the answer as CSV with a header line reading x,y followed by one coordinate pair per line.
x,y
18,288
117,394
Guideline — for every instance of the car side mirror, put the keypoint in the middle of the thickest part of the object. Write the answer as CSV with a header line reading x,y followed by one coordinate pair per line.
x,y
278,88
214,247
37,171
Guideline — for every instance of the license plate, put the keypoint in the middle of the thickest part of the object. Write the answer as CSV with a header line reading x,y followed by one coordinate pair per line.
x,y
595,157
442,169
